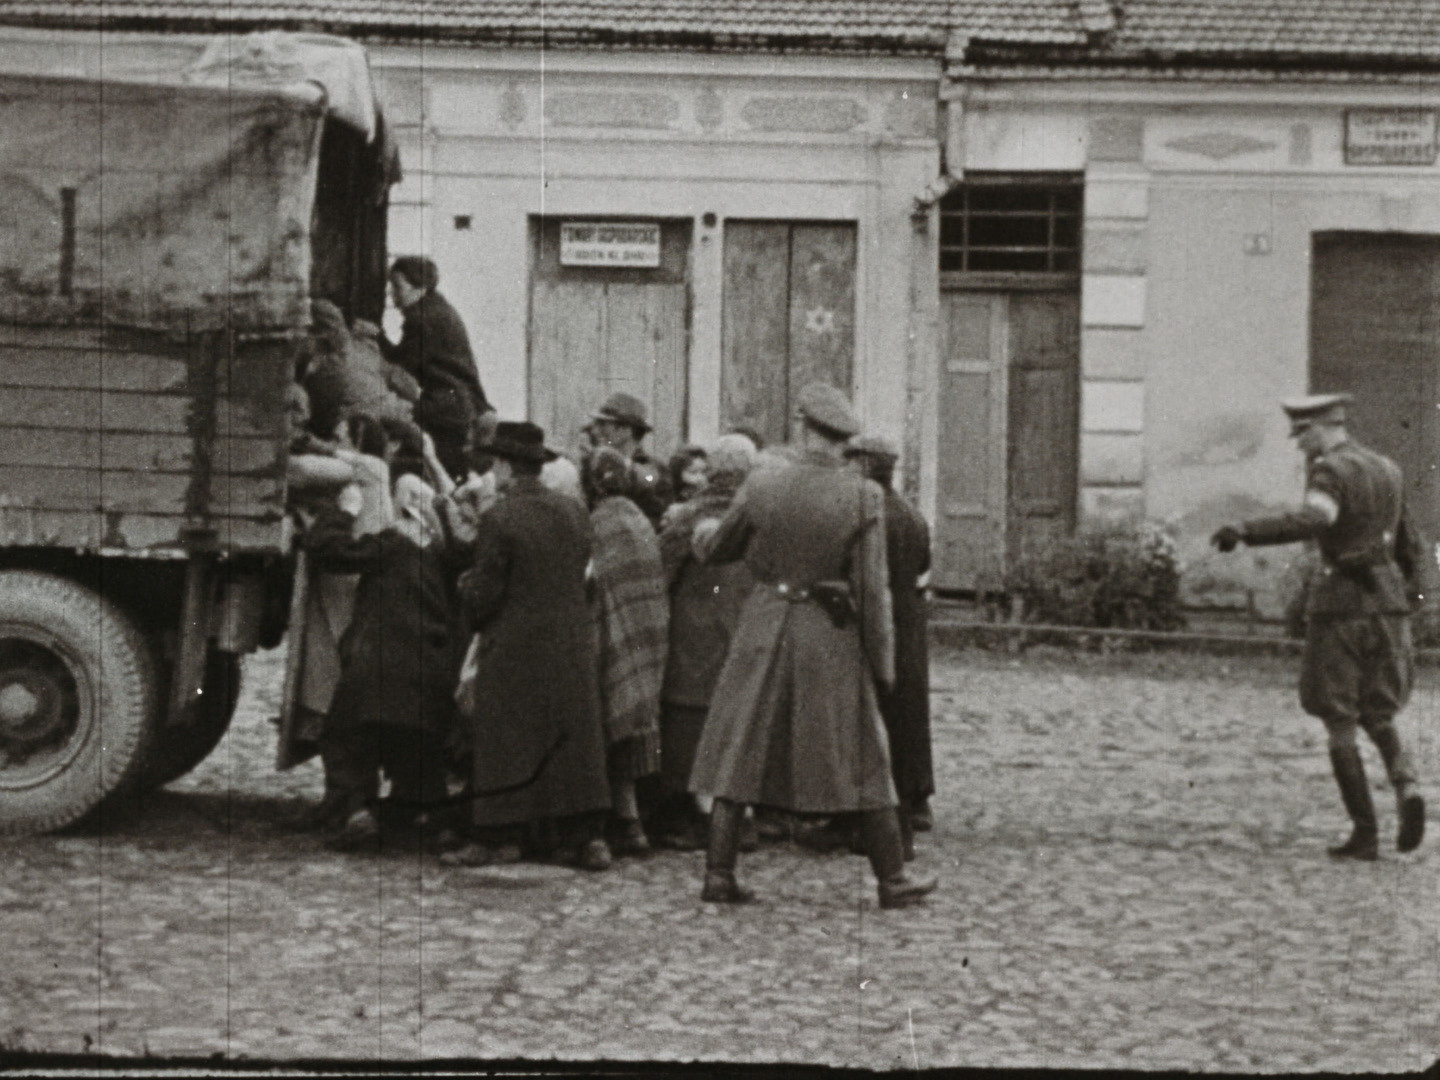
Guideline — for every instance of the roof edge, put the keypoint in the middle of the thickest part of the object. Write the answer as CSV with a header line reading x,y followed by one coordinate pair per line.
x,y
929,43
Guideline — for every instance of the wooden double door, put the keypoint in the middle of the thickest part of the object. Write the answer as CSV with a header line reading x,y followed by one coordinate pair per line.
x,y
1007,468
788,319
1375,333
598,330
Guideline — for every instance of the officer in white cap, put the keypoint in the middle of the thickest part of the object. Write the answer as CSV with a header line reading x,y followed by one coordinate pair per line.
x,y
1358,661
794,721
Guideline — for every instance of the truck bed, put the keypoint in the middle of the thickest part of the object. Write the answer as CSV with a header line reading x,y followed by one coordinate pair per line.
x,y
134,442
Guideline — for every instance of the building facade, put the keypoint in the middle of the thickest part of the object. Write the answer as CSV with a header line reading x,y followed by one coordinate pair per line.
x,y
1069,252
706,233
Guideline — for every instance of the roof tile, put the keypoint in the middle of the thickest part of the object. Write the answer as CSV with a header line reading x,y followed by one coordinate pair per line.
x,y
1103,30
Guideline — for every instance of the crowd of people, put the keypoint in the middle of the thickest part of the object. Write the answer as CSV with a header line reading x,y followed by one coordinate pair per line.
x,y
586,656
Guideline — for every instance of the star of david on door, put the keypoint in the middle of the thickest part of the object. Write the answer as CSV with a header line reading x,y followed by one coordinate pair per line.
x,y
820,320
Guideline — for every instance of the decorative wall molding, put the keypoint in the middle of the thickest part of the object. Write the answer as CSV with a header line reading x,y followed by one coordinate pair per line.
x,y
1219,145
810,115
709,109
512,106
612,109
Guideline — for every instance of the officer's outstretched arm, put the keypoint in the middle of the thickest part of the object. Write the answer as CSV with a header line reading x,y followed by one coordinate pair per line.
x,y
1314,516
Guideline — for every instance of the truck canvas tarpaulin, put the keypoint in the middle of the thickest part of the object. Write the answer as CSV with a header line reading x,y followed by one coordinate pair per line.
x,y
169,209
179,195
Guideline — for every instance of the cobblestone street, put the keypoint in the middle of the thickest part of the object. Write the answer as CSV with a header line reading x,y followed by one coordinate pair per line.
x,y
1133,875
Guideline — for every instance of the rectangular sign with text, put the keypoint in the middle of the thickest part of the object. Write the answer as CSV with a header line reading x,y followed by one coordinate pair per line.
x,y
605,243
1390,137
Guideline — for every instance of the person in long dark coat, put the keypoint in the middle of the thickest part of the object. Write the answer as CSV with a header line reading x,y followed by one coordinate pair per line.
x,y
705,603
794,722
905,707
393,707
435,349
537,688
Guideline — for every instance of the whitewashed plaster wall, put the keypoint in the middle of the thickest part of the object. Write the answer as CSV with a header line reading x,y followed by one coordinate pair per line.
x,y
496,136
1200,203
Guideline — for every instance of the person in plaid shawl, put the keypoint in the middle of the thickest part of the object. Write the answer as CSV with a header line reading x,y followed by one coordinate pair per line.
x,y
633,615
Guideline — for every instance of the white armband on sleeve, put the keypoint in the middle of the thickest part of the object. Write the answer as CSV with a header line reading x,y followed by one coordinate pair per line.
x,y
1318,500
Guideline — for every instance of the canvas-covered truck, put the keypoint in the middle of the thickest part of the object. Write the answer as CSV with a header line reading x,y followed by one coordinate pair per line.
x,y
168,212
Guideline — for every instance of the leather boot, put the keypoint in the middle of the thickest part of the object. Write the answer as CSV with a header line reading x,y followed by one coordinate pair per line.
x,y
881,830
1409,806
1355,793
720,857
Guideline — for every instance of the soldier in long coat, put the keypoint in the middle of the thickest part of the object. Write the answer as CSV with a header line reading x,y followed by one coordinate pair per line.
x,y
1358,664
537,684
794,722
906,705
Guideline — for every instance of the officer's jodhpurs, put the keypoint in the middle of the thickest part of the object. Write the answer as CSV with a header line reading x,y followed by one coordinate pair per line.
x,y
1357,672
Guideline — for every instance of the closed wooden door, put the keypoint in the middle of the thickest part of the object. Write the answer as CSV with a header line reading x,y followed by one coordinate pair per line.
x,y
1009,431
1042,441
788,318
595,331
1375,333
969,535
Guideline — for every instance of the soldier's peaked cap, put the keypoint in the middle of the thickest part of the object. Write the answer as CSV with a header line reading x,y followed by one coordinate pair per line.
x,y
1316,408
826,407
877,446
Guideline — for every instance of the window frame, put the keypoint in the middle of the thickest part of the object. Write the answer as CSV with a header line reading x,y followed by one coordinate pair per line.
x,y
1064,202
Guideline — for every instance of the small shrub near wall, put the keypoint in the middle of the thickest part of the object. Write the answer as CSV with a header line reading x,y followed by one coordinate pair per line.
x,y
1117,579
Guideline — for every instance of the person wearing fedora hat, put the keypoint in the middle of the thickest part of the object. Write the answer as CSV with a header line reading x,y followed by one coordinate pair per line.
x,y
536,688
621,423
794,723
1358,663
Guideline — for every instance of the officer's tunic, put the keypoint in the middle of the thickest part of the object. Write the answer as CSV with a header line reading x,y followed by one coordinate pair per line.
x,y
1358,661
793,721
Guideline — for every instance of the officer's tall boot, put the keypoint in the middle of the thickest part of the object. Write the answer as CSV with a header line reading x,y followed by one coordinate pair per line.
x,y
1355,792
1409,806
881,831
726,818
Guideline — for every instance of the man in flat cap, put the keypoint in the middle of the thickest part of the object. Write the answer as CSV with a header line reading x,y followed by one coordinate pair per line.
x,y
621,423
1358,661
794,722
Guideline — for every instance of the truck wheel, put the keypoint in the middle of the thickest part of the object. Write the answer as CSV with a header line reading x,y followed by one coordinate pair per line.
x,y
77,693
176,751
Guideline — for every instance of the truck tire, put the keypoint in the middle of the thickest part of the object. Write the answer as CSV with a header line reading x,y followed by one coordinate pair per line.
x,y
77,700
175,752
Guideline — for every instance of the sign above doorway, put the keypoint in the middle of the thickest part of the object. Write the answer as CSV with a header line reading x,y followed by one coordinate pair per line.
x,y
1390,137
610,243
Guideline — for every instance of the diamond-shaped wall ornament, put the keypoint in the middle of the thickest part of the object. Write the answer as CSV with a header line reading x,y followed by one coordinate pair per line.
x,y
1219,145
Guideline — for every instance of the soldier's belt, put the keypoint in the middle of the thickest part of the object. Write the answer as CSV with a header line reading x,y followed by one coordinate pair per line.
x,y
832,596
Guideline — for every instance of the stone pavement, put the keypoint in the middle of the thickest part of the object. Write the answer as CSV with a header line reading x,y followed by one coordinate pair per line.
x,y
1133,875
